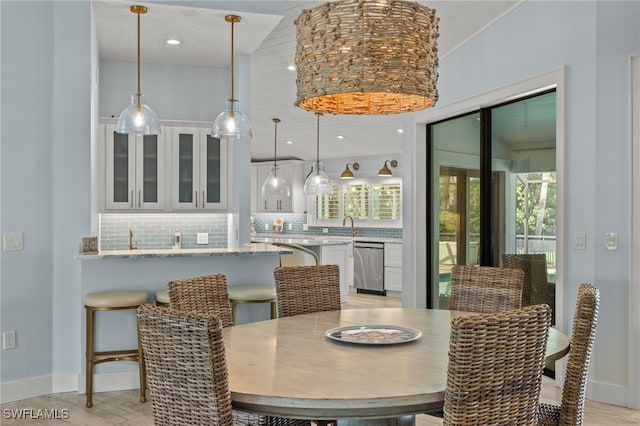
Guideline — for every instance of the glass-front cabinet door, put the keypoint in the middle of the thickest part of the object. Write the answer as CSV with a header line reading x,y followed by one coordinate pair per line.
x,y
199,164
134,170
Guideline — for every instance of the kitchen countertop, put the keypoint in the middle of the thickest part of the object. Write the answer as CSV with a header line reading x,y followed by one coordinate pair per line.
x,y
318,240
255,249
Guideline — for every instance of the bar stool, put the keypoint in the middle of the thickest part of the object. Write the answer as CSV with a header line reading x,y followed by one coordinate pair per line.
x,y
162,298
111,301
252,294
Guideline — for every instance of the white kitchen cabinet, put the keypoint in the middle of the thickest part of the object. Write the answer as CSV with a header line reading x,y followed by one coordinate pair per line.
x,y
134,170
338,255
199,170
393,267
293,173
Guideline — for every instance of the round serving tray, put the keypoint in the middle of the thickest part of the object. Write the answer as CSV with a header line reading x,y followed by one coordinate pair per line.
x,y
374,334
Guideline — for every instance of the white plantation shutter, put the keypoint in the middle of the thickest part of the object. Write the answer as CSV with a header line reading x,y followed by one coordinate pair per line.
x,y
327,206
387,201
356,201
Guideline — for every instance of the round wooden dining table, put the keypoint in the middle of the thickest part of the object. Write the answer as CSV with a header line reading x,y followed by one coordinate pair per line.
x,y
288,367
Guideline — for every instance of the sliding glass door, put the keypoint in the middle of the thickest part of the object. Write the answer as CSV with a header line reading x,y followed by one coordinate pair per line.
x,y
491,174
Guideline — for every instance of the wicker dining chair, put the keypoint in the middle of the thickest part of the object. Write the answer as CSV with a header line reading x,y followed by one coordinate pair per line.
x,y
204,294
536,287
307,289
495,367
571,409
187,374
485,289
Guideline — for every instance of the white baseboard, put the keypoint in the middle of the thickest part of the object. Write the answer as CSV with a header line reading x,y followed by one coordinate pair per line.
x,y
607,393
67,382
23,389
107,382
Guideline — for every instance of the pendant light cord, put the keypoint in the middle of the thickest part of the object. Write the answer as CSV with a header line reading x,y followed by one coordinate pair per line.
x,y
275,142
232,60
139,92
318,114
138,10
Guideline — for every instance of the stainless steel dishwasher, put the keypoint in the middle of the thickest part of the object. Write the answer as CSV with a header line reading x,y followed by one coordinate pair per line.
x,y
368,267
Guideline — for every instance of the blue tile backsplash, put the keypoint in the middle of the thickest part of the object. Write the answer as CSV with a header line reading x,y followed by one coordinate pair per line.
x,y
156,230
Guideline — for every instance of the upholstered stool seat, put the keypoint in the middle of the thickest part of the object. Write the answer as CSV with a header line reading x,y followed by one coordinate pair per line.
x,y
111,301
252,294
162,298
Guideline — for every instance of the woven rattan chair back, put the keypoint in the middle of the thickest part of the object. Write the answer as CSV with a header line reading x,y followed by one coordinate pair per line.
x,y
187,374
307,289
205,294
495,367
485,289
186,367
536,287
583,334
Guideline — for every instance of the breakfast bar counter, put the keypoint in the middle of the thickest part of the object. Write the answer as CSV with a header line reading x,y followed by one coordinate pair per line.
x,y
150,270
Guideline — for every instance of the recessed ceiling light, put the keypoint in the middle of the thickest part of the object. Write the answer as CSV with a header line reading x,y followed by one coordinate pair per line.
x,y
400,130
173,42
291,68
289,142
339,137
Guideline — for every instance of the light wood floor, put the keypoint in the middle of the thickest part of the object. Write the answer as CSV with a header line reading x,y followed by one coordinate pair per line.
x,y
123,409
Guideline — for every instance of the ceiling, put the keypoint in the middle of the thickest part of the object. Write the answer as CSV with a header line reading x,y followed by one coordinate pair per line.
x,y
267,32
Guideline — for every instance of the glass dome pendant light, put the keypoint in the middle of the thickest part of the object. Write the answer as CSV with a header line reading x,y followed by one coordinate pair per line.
x,y
275,186
318,183
138,118
231,122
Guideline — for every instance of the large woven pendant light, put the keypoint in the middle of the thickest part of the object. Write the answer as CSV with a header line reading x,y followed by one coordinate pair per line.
x,y
275,186
318,183
231,122
367,57
138,118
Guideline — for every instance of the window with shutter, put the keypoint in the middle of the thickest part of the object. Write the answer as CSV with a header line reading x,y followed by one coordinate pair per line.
x,y
327,206
356,201
387,201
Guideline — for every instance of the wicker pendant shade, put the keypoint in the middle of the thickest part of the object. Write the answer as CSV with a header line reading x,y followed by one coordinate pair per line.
x,y
367,57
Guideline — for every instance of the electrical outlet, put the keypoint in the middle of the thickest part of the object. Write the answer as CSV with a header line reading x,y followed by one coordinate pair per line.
x,y
202,238
8,340
12,241
290,227
305,227
325,230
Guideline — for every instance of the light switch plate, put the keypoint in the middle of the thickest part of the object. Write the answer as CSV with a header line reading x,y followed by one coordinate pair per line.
x,y
12,241
202,238
611,240
579,240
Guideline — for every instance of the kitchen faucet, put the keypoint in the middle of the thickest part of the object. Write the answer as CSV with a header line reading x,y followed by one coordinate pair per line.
x,y
344,222
131,245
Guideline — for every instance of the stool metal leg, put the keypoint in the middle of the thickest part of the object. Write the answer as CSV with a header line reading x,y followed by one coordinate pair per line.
x,y
274,309
89,356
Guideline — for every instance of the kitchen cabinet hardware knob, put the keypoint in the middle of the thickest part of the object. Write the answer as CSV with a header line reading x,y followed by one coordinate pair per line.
x,y
139,198
132,199
203,199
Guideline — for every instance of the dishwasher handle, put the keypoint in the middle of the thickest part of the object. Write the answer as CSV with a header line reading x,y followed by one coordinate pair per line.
x,y
363,244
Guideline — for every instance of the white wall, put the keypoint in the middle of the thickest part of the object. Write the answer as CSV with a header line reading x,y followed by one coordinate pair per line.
x,y
46,142
173,92
536,38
